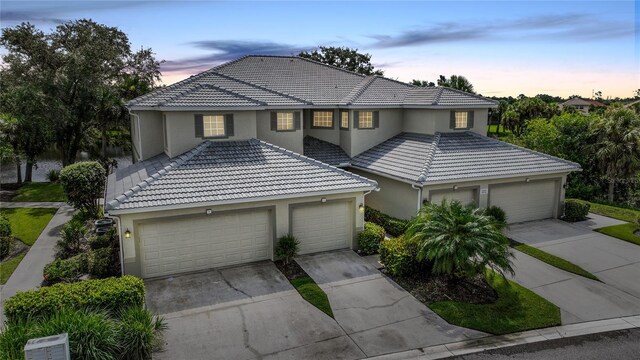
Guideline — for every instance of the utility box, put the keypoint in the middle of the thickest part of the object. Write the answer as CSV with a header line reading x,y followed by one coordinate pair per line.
x,y
54,347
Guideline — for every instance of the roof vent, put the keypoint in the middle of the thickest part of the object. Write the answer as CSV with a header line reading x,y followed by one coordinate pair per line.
x,y
54,347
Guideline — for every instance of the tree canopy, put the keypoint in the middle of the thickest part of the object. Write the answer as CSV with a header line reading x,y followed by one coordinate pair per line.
x,y
344,58
422,83
456,82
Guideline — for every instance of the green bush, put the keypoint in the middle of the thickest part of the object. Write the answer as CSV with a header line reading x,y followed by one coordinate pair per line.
x,y
575,211
140,333
103,263
83,183
287,248
72,240
7,243
53,175
399,256
5,226
108,294
103,241
67,270
394,226
370,238
497,214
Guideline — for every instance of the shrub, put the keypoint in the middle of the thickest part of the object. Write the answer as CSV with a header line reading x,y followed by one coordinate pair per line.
x,y
83,183
103,241
53,175
7,243
399,256
103,263
394,226
5,226
68,270
140,333
575,211
109,294
497,214
370,238
287,248
14,338
72,240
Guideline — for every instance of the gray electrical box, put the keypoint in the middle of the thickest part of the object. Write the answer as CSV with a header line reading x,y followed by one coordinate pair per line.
x,y
54,347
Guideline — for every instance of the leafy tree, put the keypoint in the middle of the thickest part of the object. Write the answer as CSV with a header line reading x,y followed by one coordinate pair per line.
x,y
10,136
83,183
549,98
541,135
617,145
343,57
422,83
459,240
511,121
598,95
456,82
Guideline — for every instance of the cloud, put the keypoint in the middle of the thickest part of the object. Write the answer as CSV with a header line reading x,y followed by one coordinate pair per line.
x,y
573,26
226,50
59,11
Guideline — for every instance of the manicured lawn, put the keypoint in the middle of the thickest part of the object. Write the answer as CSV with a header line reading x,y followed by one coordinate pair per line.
x,y
623,232
612,211
28,223
40,191
553,260
491,130
7,267
311,292
517,309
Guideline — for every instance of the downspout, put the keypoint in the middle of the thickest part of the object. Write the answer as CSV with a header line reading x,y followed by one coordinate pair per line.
x,y
139,135
419,188
120,241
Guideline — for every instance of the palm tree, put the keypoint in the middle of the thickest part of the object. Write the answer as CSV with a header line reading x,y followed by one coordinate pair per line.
x,y
460,240
617,147
456,82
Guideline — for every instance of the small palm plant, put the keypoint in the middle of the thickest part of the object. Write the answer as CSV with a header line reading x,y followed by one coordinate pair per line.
x,y
459,240
287,248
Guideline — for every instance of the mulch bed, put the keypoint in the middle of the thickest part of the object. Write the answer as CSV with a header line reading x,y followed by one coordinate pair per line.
x,y
291,270
432,288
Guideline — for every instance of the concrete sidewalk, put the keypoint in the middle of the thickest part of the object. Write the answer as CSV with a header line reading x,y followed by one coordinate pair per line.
x,y
31,204
28,274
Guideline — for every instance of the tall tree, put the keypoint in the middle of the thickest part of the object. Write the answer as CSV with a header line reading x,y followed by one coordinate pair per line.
x,y
422,83
456,82
618,145
10,135
343,57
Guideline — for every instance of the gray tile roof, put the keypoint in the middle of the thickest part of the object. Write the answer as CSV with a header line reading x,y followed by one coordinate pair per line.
x,y
278,81
445,157
324,151
221,171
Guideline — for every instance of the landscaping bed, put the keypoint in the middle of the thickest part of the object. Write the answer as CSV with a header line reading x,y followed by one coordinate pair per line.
x,y
433,288
308,289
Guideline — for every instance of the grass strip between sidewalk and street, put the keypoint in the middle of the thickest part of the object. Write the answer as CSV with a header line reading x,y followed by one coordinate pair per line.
x,y
311,292
624,232
517,309
7,267
555,261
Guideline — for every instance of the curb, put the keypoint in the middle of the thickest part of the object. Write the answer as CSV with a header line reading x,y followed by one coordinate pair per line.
x,y
525,337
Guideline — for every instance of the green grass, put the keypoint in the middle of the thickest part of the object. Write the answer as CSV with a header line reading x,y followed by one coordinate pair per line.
x,y
491,130
7,267
553,260
612,211
28,223
623,232
517,309
40,191
311,292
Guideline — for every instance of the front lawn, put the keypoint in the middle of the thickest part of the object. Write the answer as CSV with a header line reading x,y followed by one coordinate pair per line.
x,y
7,267
612,211
311,292
40,191
28,223
623,232
553,260
517,309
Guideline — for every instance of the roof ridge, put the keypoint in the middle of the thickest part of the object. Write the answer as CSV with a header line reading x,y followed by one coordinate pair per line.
x,y
314,161
263,88
181,93
525,149
359,90
438,95
468,94
235,94
179,160
430,155
330,66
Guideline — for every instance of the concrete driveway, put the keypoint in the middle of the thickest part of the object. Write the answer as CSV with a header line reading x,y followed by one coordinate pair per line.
x,y
615,262
377,314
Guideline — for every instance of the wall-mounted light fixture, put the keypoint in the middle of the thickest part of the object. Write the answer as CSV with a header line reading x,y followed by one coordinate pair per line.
x,y
323,200
527,180
208,212
455,187
127,234
361,208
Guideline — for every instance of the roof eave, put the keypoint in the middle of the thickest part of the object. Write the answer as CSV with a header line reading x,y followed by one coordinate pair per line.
x,y
509,176
388,176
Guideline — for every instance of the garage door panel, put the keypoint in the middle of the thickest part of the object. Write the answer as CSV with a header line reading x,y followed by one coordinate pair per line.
x,y
322,227
525,201
182,245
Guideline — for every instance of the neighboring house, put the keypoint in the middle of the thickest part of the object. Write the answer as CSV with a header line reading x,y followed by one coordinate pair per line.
x,y
230,159
582,105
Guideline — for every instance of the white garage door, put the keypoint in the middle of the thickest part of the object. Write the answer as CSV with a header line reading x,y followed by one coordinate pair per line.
x,y
176,246
465,196
525,201
322,227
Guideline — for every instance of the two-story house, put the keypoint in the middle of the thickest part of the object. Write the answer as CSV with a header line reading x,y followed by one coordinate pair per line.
x,y
230,159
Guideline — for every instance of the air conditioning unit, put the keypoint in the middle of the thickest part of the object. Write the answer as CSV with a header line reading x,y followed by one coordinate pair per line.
x,y
54,347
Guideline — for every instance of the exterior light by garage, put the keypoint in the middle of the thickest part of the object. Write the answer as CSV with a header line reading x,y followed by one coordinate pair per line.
x,y
208,211
361,208
527,180
127,234
455,187
323,200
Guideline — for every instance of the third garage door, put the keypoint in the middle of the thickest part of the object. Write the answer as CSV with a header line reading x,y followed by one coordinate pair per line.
x,y
322,227
525,201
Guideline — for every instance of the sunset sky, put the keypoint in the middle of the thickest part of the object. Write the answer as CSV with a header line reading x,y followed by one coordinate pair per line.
x,y
503,47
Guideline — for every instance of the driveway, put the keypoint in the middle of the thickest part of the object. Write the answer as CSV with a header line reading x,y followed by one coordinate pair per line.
x,y
615,262
376,313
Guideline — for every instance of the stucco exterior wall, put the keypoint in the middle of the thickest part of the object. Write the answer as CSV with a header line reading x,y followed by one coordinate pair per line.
x,y
280,208
151,138
290,140
181,129
345,135
429,121
329,135
364,139
395,198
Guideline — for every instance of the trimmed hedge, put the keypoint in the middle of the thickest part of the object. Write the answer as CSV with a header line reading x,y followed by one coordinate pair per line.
x,y
370,238
83,183
575,211
394,226
67,270
399,256
109,294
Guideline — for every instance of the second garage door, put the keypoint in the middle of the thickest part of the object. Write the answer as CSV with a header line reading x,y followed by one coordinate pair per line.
x,y
181,245
322,227
525,201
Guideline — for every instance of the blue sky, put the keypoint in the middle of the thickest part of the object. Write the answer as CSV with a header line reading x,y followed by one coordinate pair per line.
x,y
503,47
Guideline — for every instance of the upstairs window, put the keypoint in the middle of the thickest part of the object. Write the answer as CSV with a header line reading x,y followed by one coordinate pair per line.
x,y
284,121
462,120
344,120
213,125
322,119
365,120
